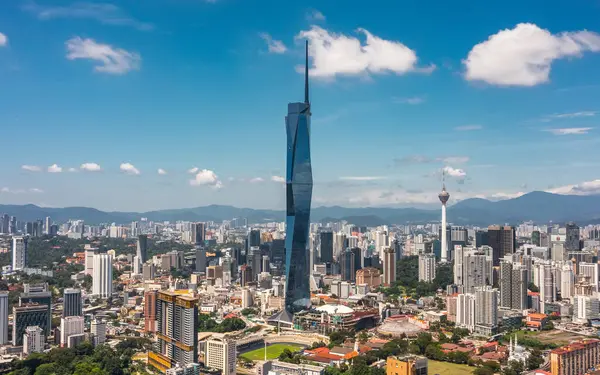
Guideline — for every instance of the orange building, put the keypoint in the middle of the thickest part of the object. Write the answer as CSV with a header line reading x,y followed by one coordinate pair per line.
x,y
370,276
536,321
408,365
150,311
575,358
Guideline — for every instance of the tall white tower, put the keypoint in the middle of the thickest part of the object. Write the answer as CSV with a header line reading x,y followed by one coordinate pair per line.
x,y
444,196
102,276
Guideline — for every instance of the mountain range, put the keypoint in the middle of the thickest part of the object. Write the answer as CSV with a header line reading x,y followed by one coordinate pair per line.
x,y
539,207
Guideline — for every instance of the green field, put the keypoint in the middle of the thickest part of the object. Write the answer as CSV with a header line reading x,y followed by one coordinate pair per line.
x,y
447,368
273,351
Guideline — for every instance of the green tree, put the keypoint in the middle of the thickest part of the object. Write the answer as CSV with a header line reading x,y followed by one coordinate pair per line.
x,y
535,359
46,369
423,340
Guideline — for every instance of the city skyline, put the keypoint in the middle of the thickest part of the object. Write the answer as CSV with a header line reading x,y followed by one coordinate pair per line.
x,y
124,108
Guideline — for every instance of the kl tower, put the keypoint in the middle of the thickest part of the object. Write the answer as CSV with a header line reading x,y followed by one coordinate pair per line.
x,y
444,196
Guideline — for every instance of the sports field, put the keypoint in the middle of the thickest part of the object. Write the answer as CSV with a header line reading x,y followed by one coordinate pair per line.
x,y
447,368
273,351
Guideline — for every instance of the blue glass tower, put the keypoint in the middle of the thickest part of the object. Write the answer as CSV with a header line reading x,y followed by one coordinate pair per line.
x,y
299,184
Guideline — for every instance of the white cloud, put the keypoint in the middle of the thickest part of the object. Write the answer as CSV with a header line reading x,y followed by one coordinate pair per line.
x,y
193,170
7,190
523,56
584,188
256,180
31,168
278,179
36,190
572,115
569,131
112,60
72,169
315,16
206,177
412,100
129,168
455,159
107,14
54,168
466,128
90,167
275,46
502,196
338,54
3,40
362,178
162,171
454,172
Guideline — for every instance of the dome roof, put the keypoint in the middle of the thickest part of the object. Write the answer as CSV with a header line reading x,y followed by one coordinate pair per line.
x,y
335,309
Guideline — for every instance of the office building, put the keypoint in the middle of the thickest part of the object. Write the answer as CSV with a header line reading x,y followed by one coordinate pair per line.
x,y
102,283
3,318
513,286
575,358
89,260
593,271
572,237
70,326
370,276
426,267
348,270
150,311
221,355
266,264
299,185
33,340
27,316
98,331
246,275
200,259
198,234
444,197
407,365
148,271
142,248
486,310
326,247
72,304
5,224
38,294
19,253
389,266
502,239
585,308
247,299
177,322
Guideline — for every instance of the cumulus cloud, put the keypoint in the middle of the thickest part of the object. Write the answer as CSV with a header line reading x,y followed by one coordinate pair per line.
x,y
315,16
584,188
414,100
338,54
129,169
206,177
278,179
362,178
466,128
31,168
275,46
193,170
111,60
569,131
3,40
523,56
454,172
162,171
107,14
256,180
54,168
90,167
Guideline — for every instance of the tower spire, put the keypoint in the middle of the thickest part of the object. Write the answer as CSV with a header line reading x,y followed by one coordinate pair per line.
x,y
306,76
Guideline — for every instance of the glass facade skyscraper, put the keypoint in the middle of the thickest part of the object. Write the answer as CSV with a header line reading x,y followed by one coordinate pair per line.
x,y
299,184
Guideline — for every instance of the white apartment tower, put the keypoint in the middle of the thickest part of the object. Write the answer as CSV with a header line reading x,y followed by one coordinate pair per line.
x,y
33,340
426,267
3,318
221,355
102,277
19,253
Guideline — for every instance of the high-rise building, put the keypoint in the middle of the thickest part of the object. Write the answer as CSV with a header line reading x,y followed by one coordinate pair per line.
x,y
266,264
3,318
247,299
72,305
407,365
150,311
221,355
477,269
370,276
88,254
19,252
326,247
148,271
38,294
33,340
444,196
593,271
572,237
486,310
465,311
198,233
503,241
575,358
142,248
102,283
70,326
47,225
299,184
513,286
585,308
253,238
347,266
389,266
426,267
26,316
5,224
177,322
200,259
246,275
98,331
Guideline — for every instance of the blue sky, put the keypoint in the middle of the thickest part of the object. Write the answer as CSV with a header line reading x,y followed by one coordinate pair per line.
x,y
96,97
